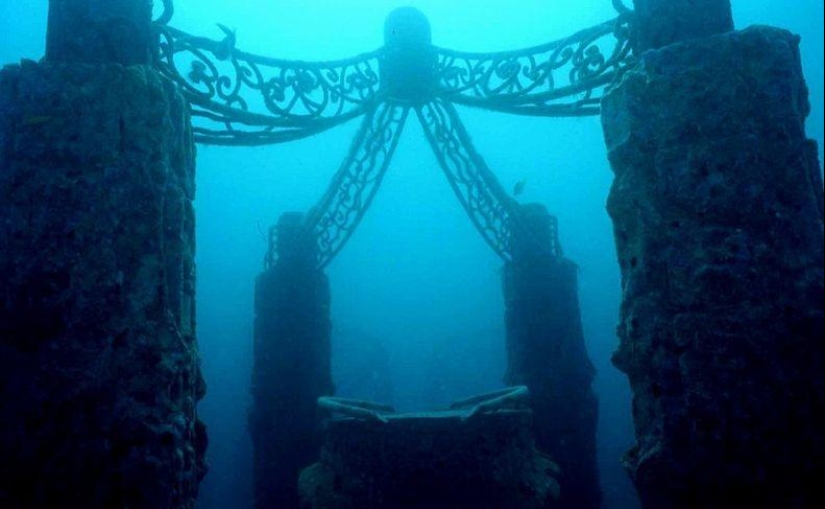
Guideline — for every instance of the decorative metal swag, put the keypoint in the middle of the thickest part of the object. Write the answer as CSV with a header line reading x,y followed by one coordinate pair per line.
x,y
243,99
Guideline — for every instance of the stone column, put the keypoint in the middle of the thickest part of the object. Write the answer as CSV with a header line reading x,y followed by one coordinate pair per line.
x,y
546,352
717,211
99,368
291,364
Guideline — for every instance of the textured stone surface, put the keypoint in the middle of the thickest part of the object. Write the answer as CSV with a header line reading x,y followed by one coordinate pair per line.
x,y
546,352
100,32
98,361
433,461
291,367
717,210
659,23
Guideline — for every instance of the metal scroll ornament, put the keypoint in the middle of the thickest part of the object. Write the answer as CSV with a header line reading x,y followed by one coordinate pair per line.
x,y
238,98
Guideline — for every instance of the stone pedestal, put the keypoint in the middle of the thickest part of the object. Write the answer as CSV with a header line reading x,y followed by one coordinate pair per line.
x,y
546,352
438,460
98,361
717,210
291,365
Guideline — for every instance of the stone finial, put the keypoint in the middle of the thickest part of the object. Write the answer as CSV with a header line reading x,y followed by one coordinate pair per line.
x,y
408,66
535,234
292,243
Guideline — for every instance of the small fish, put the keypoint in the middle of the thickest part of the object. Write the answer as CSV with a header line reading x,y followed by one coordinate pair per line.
x,y
227,45
519,187
37,119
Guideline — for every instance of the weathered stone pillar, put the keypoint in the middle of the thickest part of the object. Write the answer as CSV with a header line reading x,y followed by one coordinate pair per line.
x,y
291,364
546,352
99,369
717,211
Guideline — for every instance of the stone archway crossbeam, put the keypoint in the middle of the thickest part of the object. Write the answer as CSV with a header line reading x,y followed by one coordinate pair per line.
x,y
238,98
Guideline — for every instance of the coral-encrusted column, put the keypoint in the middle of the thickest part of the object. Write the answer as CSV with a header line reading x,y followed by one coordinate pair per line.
x,y
292,366
717,211
546,352
99,369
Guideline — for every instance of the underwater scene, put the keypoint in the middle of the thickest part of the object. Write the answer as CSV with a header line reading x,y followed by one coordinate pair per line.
x,y
379,254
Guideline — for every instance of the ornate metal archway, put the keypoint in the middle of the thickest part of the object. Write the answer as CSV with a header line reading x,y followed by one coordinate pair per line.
x,y
242,99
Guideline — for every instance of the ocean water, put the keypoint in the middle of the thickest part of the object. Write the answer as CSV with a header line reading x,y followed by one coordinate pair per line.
x,y
416,286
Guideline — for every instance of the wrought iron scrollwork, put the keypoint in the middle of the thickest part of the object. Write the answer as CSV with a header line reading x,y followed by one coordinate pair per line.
x,y
238,98
167,13
244,99
485,201
353,187
561,78
620,7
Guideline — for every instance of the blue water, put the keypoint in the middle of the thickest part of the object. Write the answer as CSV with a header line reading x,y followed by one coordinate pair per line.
x,y
416,281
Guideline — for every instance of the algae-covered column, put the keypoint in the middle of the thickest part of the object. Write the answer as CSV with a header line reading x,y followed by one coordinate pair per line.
x,y
717,211
291,363
99,368
546,352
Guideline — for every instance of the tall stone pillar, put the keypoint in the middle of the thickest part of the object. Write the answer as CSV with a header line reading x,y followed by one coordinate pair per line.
x,y
291,364
718,219
99,371
546,352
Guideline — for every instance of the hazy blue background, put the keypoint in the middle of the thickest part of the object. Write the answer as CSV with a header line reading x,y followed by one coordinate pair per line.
x,y
416,277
